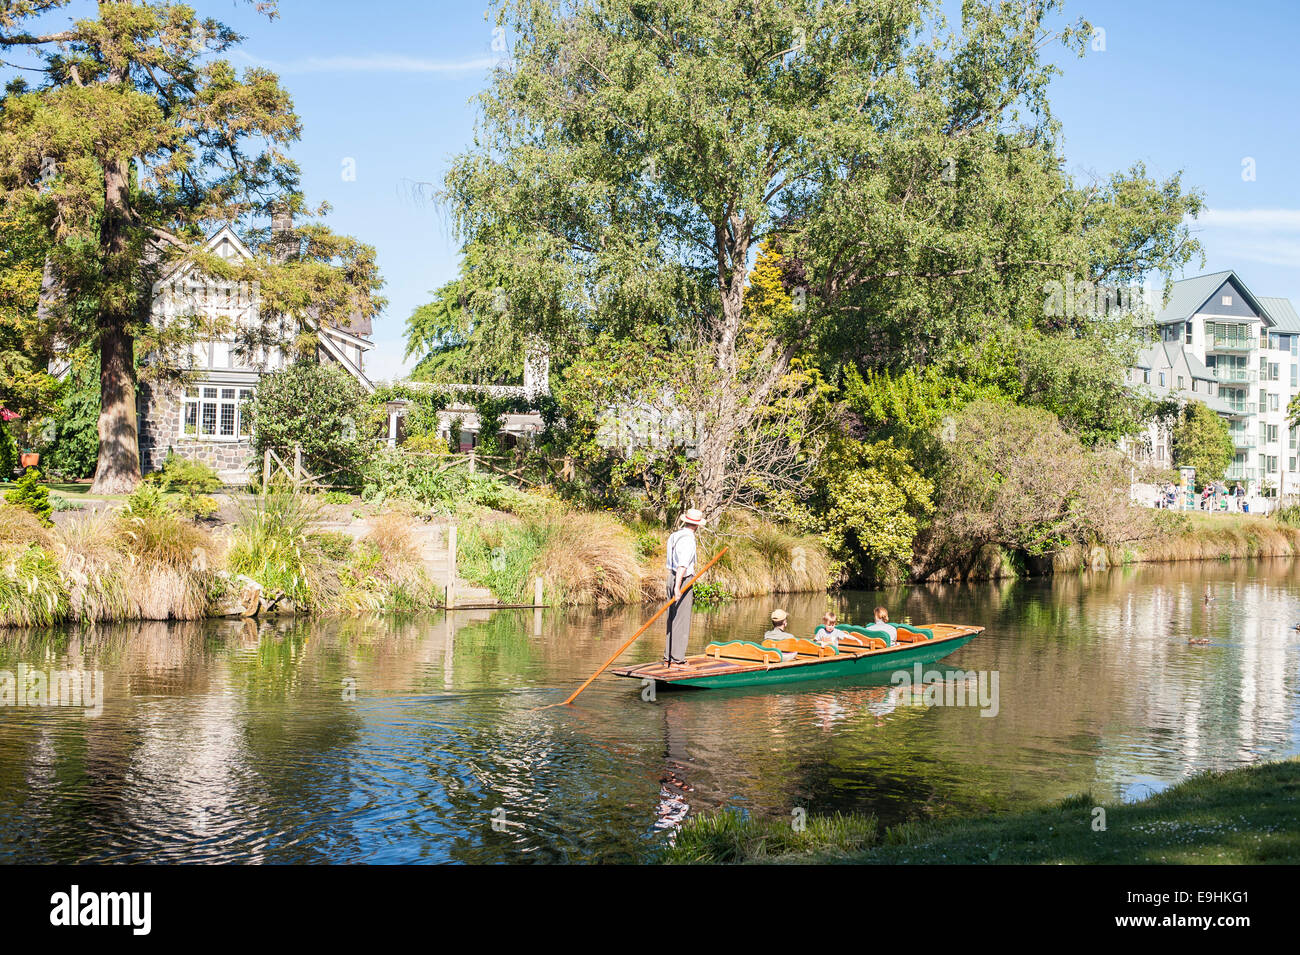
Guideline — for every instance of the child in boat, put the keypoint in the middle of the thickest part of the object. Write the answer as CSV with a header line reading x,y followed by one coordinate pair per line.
x,y
882,625
829,635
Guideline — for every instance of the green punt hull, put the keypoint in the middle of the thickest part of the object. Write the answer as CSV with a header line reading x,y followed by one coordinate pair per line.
x,y
843,666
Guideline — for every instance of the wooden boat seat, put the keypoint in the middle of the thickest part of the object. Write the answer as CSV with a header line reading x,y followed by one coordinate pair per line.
x,y
909,634
743,650
802,646
860,637
867,643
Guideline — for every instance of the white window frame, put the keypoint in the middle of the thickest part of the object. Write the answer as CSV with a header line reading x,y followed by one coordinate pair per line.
x,y
220,404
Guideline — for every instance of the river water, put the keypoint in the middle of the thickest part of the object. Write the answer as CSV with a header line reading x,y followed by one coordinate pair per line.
x,y
421,739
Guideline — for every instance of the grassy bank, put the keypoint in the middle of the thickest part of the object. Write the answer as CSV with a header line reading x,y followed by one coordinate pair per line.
x,y
1243,816
587,558
144,561
1219,537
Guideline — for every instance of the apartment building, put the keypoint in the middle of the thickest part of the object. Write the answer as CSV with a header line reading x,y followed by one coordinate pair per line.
x,y
1240,354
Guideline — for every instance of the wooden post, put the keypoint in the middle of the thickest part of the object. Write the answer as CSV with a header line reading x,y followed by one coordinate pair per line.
x,y
266,470
537,592
297,466
471,460
451,567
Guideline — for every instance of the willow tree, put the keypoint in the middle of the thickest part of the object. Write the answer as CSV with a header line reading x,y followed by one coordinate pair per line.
x,y
137,139
633,154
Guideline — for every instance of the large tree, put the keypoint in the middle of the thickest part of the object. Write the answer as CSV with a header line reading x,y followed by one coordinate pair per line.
x,y
137,139
633,155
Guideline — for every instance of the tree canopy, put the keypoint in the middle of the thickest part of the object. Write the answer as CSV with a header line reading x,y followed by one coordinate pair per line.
x,y
634,156
136,141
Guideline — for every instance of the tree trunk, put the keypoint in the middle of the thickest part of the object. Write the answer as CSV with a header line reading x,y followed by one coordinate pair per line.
x,y
118,468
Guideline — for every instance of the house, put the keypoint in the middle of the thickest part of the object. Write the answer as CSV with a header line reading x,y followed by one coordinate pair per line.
x,y
204,419
461,419
1240,354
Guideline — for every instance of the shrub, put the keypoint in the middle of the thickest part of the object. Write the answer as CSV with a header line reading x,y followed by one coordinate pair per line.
x,y
425,444
336,497
32,496
193,480
431,483
323,410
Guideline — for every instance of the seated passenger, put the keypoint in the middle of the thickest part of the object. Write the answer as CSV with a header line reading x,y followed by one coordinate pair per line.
x,y
778,631
828,635
882,625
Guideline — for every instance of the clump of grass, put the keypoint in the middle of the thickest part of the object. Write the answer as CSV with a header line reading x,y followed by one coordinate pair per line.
x,y
583,559
31,589
273,545
500,555
20,526
588,559
1216,536
763,558
100,582
730,837
391,536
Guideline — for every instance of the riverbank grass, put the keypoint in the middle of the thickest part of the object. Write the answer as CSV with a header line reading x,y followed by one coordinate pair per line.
x,y
1241,816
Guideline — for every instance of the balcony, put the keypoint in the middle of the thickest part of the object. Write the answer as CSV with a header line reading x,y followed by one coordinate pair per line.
x,y
1238,375
1244,442
1233,343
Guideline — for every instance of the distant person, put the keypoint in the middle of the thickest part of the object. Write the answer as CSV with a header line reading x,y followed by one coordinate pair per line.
x,y
830,635
882,625
1241,498
680,562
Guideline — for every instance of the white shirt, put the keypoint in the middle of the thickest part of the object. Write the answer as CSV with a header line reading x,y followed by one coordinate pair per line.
x,y
681,551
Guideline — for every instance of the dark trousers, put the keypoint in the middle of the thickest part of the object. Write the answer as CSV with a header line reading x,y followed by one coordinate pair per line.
x,y
679,622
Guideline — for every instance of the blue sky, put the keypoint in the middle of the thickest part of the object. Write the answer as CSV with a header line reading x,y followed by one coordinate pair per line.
x,y
1191,85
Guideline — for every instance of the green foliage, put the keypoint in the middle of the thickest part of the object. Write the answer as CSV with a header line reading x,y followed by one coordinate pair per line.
x,y
322,409
336,497
869,504
193,480
435,483
29,494
31,588
8,453
75,447
1201,439
1013,478
273,545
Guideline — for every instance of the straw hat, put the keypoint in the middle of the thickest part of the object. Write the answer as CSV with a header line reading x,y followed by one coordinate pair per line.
x,y
779,616
694,517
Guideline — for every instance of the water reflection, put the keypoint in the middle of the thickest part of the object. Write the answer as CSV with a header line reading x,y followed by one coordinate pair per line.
x,y
398,740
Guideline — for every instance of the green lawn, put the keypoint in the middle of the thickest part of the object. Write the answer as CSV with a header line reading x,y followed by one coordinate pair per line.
x,y
1240,816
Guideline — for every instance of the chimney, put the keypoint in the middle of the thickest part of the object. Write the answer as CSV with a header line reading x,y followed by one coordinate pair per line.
x,y
283,241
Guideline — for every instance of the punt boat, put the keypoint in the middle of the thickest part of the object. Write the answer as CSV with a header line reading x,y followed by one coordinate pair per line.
x,y
862,653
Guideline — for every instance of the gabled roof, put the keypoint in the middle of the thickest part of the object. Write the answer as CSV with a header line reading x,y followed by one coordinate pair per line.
x,y
1188,295
1282,312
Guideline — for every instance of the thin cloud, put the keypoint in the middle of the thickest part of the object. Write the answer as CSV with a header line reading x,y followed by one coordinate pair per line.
x,y
372,63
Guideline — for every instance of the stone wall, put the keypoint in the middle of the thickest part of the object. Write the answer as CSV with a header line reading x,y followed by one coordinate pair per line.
x,y
161,410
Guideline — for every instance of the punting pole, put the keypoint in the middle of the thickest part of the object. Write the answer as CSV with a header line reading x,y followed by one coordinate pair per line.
x,y
619,652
